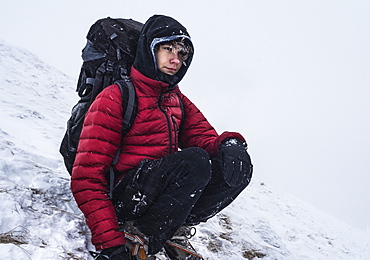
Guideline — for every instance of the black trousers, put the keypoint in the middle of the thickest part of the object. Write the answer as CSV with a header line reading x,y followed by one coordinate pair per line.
x,y
183,188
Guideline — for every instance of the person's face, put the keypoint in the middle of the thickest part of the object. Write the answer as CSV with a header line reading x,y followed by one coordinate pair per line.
x,y
169,59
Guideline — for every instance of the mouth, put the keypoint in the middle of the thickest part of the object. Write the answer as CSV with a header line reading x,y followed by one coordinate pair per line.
x,y
171,70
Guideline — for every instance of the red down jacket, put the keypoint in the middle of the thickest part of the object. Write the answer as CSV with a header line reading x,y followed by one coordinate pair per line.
x,y
158,130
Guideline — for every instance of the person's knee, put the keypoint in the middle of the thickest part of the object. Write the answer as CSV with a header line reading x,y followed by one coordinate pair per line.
x,y
198,159
197,153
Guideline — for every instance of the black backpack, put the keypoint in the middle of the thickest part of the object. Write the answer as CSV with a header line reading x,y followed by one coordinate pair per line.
x,y
107,59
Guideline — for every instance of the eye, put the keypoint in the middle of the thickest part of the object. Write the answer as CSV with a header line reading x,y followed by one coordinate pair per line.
x,y
183,54
167,47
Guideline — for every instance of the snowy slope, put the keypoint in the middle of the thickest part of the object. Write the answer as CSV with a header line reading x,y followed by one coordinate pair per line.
x,y
39,218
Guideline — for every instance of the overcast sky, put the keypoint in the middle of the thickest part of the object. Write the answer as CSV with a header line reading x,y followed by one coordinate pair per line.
x,y
292,76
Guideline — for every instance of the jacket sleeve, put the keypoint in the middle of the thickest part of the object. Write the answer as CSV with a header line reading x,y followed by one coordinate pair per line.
x,y
99,141
196,131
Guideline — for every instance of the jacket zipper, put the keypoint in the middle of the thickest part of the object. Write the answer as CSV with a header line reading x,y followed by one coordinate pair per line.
x,y
176,129
163,109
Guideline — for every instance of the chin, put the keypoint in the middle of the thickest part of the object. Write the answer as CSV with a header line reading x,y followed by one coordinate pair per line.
x,y
170,72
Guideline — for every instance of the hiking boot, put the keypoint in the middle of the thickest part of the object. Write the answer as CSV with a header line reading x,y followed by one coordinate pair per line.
x,y
136,242
179,247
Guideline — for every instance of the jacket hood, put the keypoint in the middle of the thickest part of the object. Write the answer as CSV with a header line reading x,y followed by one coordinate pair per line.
x,y
158,29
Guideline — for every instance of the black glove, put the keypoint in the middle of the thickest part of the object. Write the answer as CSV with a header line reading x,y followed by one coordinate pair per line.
x,y
112,253
235,162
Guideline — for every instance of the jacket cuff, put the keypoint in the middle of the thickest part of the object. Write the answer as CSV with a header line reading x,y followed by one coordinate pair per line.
x,y
224,136
117,241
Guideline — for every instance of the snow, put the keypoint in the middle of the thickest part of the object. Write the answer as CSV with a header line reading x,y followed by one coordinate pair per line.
x,y
40,219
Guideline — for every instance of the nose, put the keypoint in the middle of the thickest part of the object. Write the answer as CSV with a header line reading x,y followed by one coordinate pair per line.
x,y
175,58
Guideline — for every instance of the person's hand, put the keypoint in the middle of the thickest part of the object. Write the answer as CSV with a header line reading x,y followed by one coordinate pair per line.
x,y
235,162
113,253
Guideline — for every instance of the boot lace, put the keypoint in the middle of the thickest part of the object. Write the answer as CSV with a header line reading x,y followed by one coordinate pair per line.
x,y
136,241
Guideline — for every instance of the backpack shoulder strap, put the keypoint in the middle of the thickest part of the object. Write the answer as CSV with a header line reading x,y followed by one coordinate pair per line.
x,y
129,104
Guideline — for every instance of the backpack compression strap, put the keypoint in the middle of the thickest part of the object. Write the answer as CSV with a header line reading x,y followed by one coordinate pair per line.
x,y
128,106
